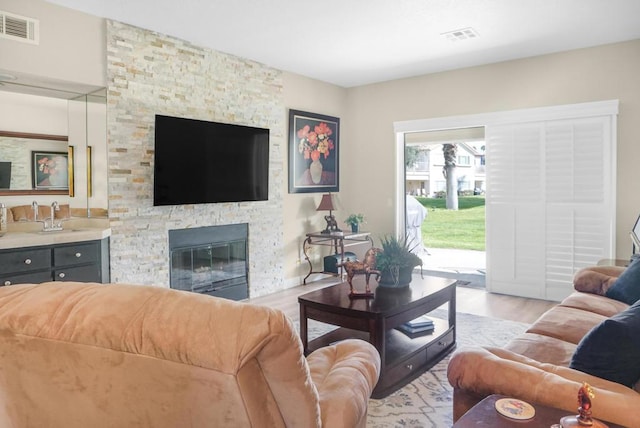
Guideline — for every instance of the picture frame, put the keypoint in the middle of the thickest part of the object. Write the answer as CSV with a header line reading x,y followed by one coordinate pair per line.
x,y
50,170
314,145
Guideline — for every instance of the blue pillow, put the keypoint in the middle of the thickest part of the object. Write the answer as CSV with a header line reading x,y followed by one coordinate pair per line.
x,y
627,287
611,350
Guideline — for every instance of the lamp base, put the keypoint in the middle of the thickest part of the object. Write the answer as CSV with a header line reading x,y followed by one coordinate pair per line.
x,y
332,224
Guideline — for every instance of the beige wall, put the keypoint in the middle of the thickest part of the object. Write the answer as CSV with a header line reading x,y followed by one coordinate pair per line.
x,y
594,74
72,44
300,215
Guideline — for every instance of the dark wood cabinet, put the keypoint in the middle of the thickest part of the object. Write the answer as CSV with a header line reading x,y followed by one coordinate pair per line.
x,y
86,261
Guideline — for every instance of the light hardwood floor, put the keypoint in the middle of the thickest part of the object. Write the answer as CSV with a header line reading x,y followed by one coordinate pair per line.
x,y
468,300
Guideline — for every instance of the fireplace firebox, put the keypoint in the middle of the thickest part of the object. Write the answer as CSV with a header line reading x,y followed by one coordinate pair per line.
x,y
210,260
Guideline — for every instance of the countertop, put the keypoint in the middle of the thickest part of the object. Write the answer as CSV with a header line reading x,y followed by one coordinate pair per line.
x,y
75,230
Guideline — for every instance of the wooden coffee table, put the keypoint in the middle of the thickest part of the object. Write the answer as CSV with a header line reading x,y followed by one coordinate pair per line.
x,y
485,415
375,319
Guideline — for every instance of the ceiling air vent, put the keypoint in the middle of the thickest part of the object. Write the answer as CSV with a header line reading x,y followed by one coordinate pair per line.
x,y
461,34
16,27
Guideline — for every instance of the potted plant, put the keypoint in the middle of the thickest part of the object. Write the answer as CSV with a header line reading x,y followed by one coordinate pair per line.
x,y
396,262
354,220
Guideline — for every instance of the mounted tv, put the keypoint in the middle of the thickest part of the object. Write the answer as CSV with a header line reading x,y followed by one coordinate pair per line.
x,y
198,162
5,175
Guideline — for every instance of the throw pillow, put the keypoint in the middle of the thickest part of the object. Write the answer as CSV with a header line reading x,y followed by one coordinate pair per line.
x,y
611,350
627,287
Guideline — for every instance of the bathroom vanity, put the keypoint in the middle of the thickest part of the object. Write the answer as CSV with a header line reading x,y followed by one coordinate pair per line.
x,y
74,254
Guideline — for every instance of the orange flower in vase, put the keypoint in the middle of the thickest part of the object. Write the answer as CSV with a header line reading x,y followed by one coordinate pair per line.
x,y
315,144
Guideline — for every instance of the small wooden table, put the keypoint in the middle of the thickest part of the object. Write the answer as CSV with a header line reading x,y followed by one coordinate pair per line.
x,y
485,415
337,241
375,319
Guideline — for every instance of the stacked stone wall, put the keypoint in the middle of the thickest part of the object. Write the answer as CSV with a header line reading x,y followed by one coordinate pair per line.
x,y
148,74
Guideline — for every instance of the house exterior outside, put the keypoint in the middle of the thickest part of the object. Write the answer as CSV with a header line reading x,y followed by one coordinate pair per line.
x,y
425,177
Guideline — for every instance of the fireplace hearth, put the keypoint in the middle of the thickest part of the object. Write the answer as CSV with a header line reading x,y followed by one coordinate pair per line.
x,y
210,260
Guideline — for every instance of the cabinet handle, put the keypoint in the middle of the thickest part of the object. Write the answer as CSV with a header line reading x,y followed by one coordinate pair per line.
x,y
78,255
61,275
7,282
27,262
443,343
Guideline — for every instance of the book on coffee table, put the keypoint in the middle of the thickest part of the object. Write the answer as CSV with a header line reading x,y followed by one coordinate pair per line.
x,y
417,327
421,321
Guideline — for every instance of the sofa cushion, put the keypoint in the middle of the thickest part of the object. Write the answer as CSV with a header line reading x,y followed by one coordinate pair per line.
x,y
544,349
594,303
627,287
567,324
596,279
611,350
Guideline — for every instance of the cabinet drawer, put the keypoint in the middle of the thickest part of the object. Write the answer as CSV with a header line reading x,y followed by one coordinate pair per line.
x,y
25,260
441,345
26,278
75,254
406,368
90,273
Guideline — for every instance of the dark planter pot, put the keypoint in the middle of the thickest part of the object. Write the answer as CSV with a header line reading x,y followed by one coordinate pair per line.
x,y
355,228
396,278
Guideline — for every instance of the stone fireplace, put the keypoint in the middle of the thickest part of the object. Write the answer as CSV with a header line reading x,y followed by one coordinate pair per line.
x,y
210,260
148,74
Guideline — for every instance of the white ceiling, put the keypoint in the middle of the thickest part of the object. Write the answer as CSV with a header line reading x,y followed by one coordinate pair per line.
x,y
356,42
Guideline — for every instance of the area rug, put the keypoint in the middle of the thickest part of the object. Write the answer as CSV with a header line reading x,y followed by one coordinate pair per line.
x,y
428,401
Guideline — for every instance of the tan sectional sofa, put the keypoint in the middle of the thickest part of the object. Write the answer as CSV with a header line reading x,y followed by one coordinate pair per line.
x,y
94,355
535,366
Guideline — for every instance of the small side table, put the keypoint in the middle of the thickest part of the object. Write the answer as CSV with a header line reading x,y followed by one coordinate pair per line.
x,y
485,415
337,241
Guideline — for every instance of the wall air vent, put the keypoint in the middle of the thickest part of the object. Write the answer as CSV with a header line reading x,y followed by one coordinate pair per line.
x,y
16,27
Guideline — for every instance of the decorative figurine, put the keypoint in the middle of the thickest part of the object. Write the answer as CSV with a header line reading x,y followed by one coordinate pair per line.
x,y
583,419
366,267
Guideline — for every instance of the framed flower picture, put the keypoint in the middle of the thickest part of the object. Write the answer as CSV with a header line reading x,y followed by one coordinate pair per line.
x,y
50,170
314,142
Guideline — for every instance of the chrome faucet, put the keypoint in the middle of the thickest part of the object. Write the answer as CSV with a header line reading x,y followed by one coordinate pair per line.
x,y
48,224
53,225
34,206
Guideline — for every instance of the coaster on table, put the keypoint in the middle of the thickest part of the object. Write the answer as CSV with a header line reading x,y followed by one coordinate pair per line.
x,y
515,409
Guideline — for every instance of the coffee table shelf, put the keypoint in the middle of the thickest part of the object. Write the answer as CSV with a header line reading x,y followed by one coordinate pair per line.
x,y
374,320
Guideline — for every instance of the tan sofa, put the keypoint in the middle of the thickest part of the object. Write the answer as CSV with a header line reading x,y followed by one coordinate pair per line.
x,y
535,366
94,355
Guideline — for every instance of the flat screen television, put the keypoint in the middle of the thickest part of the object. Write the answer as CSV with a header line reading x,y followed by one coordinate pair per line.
x,y
198,162
5,175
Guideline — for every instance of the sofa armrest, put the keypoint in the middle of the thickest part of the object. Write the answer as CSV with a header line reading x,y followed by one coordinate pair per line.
x,y
485,371
345,375
596,279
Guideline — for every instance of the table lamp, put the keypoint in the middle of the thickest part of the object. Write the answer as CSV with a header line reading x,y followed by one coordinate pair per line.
x,y
326,204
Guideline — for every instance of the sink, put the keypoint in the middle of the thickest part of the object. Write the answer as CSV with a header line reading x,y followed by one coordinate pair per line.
x,y
53,232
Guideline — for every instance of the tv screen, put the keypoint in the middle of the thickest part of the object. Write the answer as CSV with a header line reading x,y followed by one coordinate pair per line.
x,y
5,175
199,162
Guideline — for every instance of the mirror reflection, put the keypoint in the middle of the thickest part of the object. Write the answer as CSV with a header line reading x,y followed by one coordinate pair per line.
x,y
53,142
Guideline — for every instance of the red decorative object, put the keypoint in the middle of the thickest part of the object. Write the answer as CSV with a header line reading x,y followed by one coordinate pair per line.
x,y
583,419
366,267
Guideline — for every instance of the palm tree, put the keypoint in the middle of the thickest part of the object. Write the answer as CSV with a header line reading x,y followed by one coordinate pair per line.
x,y
449,171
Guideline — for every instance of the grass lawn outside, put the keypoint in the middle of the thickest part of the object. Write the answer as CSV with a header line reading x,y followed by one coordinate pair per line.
x,y
462,229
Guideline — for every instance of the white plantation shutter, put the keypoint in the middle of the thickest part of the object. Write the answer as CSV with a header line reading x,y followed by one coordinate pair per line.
x,y
549,203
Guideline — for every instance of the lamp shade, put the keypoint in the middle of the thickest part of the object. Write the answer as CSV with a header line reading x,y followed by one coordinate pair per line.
x,y
326,204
